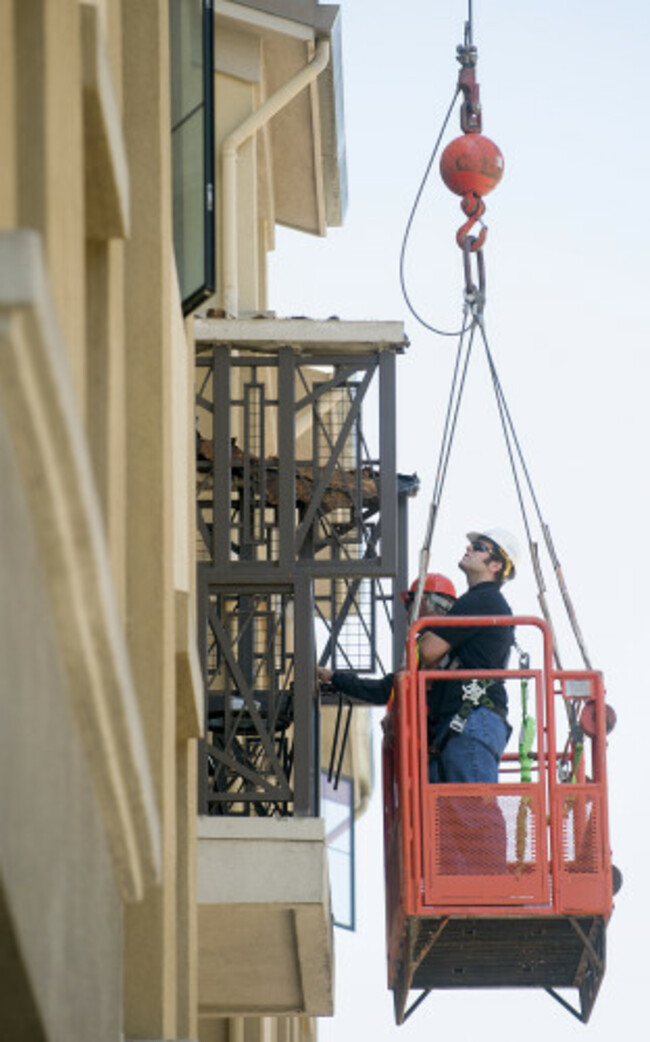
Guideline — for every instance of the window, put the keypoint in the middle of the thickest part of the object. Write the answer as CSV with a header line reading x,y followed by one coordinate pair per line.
x,y
337,808
191,25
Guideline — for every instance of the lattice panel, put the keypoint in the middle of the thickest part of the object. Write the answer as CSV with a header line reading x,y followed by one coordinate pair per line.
x,y
249,671
254,469
287,438
348,609
296,491
339,516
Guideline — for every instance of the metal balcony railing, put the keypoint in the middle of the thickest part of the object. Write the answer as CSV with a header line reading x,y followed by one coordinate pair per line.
x,y
297,526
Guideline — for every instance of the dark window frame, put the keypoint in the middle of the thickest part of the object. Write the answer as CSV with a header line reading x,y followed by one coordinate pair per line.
x,y
207,285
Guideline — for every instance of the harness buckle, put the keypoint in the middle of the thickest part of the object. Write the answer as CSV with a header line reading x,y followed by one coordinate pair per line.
x,y
473,692
457,724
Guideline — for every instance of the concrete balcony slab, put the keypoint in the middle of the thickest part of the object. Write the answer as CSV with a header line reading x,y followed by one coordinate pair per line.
x,y
265,926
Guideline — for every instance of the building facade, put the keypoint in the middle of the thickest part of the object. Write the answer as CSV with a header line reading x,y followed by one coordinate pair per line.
x,y
195,509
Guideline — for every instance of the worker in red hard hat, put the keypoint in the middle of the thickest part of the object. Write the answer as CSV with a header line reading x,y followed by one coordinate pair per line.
x,y
438,593
438,596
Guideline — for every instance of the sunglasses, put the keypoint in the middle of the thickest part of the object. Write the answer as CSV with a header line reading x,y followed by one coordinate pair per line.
x,y
438,600
481,548
430,600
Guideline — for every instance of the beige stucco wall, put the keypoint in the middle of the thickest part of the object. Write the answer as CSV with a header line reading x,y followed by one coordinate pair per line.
x,y
49,120
56,872
159,933
100,960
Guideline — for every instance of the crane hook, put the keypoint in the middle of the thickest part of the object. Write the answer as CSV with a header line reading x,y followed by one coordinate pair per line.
x,y
471,166
473,206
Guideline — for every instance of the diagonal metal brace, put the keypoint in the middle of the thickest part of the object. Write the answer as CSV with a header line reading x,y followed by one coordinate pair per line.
x,y
566,1005
333,462
590,951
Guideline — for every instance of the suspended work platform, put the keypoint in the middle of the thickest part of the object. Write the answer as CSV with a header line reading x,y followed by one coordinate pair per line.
x,y
509,884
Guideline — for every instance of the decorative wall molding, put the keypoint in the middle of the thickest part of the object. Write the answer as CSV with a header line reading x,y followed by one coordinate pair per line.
x,y
37,398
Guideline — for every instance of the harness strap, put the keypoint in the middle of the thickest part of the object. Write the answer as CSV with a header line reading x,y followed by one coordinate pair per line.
x,y
474,697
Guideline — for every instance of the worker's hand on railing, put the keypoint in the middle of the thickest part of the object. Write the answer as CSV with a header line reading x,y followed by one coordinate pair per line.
x,y
324,677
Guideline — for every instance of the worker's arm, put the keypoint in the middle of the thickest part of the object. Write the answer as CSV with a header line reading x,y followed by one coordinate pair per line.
x,y
432,649
366,689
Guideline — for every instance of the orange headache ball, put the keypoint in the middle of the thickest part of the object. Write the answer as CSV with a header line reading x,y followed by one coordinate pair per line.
x,y
471,163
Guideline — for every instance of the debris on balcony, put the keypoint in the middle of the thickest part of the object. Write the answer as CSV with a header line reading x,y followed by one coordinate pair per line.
x,y
345,489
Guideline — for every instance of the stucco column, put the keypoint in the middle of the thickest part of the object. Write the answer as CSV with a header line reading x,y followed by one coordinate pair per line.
x,y
150,955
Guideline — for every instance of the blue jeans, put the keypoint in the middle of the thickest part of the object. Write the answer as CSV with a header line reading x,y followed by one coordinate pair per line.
x,y
473,755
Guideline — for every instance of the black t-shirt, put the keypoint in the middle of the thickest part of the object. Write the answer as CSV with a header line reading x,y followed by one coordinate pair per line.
x,y
480,647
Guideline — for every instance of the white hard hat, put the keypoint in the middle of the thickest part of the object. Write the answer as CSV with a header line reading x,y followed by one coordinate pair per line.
x,y
507,544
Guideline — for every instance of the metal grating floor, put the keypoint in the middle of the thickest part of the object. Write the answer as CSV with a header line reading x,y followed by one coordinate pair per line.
x,y
507,952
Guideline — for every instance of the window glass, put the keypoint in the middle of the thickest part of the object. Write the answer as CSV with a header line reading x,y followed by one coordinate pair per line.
x,y
192,106
337,808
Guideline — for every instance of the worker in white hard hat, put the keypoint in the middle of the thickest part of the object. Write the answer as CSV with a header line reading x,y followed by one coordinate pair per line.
x,y
505,547
468,725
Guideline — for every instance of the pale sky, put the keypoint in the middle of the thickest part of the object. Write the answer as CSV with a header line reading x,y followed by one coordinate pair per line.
x,y
564,94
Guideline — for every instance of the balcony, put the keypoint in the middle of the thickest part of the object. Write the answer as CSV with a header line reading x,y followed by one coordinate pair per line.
x,y
298,528
264,917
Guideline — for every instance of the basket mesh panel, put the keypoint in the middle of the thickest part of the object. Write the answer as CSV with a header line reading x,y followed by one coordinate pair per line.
x,y
580,834
485,835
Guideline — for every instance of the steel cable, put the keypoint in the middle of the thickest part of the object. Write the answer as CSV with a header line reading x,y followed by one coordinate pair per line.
x,y
449,429
511,439
409,224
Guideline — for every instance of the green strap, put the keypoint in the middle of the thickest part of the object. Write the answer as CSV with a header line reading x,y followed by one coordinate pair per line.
x,y
526,736
577,756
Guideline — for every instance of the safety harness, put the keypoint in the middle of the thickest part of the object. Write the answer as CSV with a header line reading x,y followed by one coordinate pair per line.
x,y
474,697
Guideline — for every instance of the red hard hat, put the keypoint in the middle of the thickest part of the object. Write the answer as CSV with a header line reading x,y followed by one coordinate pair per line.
x,y
471,163
434,582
